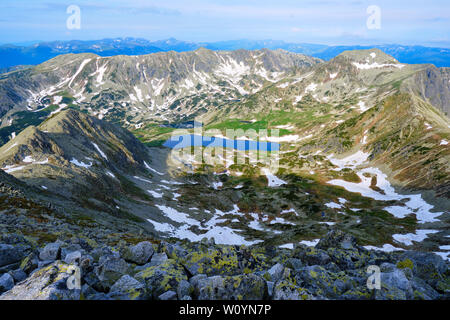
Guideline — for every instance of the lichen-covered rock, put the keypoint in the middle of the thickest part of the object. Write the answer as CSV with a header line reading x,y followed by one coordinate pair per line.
x,y
322,282
394,286
311,256
213,261
184,289
162,278
49,283
241,287
286,290
276,272
422,290
30,263
128,288
348,259
110,269
139,254
425,265
173,251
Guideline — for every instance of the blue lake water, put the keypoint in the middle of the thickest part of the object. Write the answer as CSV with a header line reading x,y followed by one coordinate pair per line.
x,y
191,140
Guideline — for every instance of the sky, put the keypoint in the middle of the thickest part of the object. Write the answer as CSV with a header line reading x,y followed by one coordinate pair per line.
x,y
332,22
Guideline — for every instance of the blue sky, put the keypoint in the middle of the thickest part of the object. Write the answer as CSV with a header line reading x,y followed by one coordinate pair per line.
x,y
321,21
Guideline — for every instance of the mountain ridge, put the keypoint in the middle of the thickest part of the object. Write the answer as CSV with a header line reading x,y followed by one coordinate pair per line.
x,y
12,55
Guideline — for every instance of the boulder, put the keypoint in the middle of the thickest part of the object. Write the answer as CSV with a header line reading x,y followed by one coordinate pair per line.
x,y
311,256
110,269
286,290
162,278
18,275
425,265
139,254
276,272
49,283
241,287
184,289
128,288
10,254
50,252
6,282
169,295
212,261
73,257
158,258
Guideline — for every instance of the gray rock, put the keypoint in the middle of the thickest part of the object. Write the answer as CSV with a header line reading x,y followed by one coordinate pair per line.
x,y
51,252
100,252
6,282
99,296
87,290
294,264
158,258
44,263
396,279
427,266
111,269
169,295
128,288
186,298
71,248
10,254
184,289
173,250
18,275
140,253
276,272
285,290
270,286
422,291
320,281
387,267
49,283
241,287
195,279
311,256
162,278
73,257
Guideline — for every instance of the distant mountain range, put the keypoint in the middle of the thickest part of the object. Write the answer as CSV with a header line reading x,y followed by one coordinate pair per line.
x,y
21,55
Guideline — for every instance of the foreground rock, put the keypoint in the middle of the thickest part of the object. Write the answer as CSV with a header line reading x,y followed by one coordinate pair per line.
x,y
49,283
335,269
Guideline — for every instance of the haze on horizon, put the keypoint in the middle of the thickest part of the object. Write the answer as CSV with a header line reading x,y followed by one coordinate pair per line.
x,y
331,22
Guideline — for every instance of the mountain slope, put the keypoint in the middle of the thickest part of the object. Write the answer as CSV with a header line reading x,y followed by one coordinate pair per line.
x,y
132,90
78,158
